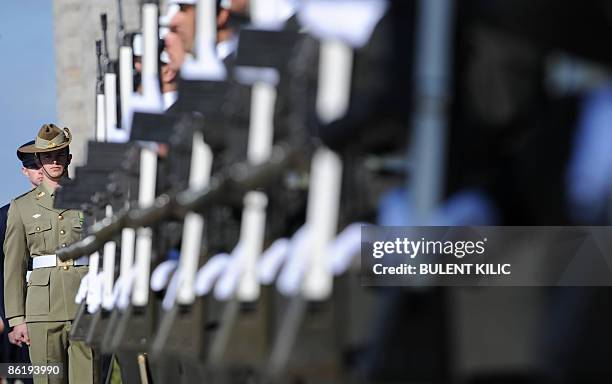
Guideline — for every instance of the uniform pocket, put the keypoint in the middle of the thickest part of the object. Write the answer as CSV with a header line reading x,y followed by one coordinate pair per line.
x,y
38,226
37,299
36,231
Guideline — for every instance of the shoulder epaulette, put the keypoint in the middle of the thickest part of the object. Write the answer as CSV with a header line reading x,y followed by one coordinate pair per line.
x,y
22,195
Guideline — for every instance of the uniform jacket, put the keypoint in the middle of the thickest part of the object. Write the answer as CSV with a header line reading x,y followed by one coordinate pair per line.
x,y
35,228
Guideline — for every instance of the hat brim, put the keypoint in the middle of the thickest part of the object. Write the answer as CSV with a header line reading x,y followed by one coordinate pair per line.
x,y
31,164
32,148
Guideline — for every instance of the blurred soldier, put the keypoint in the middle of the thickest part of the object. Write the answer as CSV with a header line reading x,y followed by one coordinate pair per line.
x,y
182,28
43,315
183,23
168,73
30,167
19,353
240,7
176,51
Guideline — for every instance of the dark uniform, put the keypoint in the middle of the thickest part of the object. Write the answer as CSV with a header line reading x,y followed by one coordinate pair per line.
x,y
12,353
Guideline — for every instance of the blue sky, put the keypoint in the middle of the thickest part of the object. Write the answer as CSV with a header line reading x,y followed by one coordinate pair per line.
x,y
27,79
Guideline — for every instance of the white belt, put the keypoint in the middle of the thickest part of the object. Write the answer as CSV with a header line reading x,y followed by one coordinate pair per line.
x,y
46,261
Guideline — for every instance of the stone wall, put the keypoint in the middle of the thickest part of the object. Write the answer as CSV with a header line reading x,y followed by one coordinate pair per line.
x,y
76,28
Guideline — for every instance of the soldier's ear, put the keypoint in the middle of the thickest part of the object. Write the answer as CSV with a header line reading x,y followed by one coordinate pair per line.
x,y
222,18
168,74
24,170
69,159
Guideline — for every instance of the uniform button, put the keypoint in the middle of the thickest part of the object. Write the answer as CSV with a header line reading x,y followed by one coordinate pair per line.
x,y
62,232
64,245
60,217
65,267
38,228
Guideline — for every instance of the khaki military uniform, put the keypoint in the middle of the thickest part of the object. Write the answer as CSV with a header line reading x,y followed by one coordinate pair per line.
x,y
35,228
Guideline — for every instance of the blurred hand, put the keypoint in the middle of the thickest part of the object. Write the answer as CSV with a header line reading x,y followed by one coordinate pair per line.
x,y
1,325
20,335
12,337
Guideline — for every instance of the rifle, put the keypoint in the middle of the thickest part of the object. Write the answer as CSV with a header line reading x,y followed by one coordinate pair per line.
x,y
126,82
429,127
315,287
87,321
137,315
182,315
236,179
245,309
103,304
137,310
119,194
120,27
129,180
179,310
88,192
100,318
100,127
83,319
